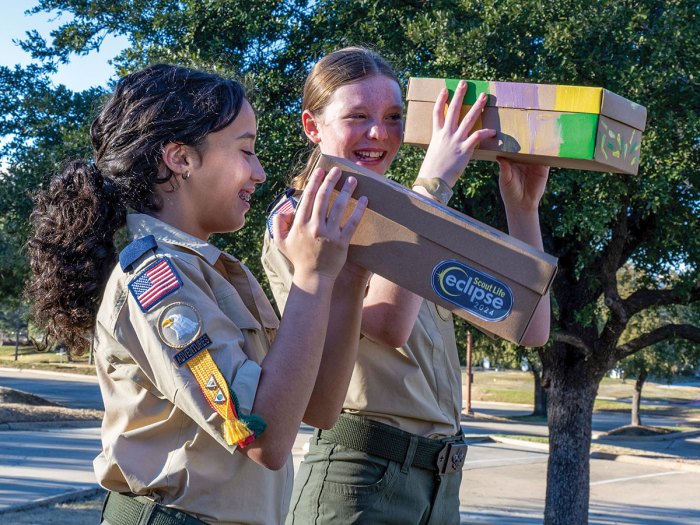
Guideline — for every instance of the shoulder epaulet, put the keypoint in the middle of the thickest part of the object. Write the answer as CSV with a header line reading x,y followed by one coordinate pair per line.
x,y
135,250
281,203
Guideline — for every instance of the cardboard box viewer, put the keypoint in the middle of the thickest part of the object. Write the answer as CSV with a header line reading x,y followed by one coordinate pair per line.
x,y
564,126
478,272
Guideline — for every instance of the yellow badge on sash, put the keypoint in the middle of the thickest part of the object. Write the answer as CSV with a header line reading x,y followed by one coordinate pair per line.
x,y
215,388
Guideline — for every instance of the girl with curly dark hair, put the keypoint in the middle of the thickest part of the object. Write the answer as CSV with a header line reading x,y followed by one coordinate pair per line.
x,y
192,362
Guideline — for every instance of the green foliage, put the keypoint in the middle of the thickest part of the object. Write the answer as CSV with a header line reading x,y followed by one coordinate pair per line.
x,y
670,357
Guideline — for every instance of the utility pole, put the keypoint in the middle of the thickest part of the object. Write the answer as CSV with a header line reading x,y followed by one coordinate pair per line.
x,y
17,327
470,377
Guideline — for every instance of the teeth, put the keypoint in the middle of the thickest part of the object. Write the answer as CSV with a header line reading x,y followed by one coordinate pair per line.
x,y
370,154
245,196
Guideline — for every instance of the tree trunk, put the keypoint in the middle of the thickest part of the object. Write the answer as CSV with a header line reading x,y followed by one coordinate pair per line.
x,y
540,408
40,346
571,395
637,398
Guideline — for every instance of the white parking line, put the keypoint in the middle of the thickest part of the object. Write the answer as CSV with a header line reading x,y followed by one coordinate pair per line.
x,y
616,480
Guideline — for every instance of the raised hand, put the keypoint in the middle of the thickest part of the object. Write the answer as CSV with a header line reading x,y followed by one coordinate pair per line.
x,y
315,238
521,185
452,143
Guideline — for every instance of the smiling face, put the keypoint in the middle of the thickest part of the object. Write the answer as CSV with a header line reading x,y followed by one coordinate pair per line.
x,y
362,122
223,173
228,174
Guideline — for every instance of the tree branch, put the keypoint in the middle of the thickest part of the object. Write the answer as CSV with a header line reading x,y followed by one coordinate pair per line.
x,y
627,232
642,299
684,331
573,340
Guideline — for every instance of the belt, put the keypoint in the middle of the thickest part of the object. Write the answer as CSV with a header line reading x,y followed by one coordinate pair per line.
x,y
122,509
444,456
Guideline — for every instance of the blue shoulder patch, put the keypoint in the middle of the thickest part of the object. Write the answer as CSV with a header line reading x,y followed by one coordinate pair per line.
x,y
135,250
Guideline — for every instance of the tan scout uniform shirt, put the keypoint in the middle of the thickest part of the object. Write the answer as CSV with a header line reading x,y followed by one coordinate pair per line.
x,y
160,437
417,388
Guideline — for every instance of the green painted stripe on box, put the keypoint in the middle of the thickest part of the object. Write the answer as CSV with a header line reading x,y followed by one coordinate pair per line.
x,y
578,133
474,89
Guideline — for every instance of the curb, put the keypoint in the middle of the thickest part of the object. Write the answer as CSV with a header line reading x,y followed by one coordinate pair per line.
x,y
601,438
667,462
68,497
520,443
473,439
88,378
41,425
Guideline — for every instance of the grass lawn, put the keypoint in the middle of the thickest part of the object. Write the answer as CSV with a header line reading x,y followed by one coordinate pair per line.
x,y
511,386
28,357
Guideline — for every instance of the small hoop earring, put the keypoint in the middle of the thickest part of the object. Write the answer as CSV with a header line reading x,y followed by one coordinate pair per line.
x,y
186,175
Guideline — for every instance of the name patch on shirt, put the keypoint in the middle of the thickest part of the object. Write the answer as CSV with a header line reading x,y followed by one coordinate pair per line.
x,y
192,350
154,283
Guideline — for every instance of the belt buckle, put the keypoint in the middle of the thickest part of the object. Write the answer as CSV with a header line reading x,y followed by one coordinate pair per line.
x,y
451,458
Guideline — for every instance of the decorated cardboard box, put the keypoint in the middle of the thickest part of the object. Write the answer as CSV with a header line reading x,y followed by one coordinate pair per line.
x,y
489,278
563,126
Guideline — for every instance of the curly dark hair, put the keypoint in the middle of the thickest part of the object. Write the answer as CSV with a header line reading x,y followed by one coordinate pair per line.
x,y
71,249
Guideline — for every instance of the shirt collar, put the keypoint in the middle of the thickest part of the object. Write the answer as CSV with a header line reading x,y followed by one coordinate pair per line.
x,y
140,224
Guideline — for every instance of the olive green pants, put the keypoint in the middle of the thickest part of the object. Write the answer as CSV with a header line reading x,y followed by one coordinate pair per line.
x,y
339,485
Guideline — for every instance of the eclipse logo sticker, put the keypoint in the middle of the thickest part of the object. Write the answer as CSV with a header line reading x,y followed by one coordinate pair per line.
x,y
472,290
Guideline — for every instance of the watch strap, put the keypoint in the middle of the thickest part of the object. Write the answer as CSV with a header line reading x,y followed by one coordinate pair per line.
x,y
437,187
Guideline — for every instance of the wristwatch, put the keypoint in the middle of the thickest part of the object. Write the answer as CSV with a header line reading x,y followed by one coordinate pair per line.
x,y
437,187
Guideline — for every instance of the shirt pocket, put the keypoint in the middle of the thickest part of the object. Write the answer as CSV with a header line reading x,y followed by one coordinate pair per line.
x,y
255,338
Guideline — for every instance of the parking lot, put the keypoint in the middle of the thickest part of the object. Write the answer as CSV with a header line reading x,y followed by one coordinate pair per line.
x,y
504,484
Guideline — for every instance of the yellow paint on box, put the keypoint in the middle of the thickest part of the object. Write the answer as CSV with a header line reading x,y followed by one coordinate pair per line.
x,y
578,99
513,136
463,113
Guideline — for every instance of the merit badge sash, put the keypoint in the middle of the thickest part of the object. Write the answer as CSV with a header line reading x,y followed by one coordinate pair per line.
x,y
179,326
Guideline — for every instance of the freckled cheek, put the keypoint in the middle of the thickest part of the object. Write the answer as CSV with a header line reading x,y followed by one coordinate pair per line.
x,y
345,139
396,137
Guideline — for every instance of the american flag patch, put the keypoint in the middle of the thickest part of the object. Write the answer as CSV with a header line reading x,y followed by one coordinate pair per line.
x,y
289,204
153,284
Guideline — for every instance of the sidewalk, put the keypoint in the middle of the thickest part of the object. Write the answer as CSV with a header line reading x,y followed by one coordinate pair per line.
x,y
43,464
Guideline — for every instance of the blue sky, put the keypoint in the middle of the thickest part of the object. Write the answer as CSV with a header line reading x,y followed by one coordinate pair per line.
x,y
81,73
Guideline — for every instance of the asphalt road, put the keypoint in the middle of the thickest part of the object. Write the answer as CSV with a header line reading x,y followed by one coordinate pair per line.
x,y
69,390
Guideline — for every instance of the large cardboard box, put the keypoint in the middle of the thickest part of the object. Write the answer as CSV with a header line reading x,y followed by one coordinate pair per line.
x,y
563,126
489,278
